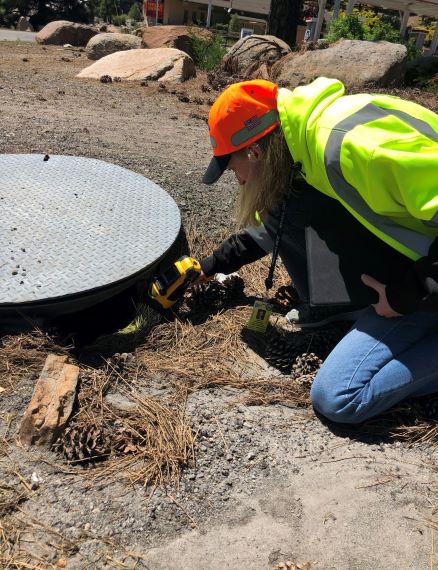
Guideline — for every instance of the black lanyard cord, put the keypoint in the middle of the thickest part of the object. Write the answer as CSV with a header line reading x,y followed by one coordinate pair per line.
x,y
269,281
270,278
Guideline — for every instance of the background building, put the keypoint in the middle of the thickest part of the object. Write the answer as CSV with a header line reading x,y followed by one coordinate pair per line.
x,y
196,11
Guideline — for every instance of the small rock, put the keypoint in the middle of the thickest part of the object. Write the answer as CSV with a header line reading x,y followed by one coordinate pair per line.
x,y
35,481
51,403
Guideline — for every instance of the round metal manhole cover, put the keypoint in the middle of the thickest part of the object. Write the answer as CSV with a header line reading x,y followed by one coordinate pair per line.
x,y
71,225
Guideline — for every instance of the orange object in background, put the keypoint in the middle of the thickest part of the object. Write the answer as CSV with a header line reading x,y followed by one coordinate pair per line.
x,y
150,9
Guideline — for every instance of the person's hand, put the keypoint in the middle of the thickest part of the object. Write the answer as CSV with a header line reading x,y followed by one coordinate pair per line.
x,y
382,307
201,279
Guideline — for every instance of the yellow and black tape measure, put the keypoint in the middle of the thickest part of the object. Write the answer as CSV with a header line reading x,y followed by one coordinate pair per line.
x,y
168,287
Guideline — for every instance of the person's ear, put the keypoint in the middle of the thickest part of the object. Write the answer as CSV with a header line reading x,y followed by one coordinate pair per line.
x,y
254,152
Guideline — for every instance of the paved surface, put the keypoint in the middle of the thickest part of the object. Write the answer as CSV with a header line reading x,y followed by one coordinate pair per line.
x,y
14,35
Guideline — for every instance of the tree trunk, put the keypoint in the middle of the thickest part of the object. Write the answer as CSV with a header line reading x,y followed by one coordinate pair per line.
x,y
284,18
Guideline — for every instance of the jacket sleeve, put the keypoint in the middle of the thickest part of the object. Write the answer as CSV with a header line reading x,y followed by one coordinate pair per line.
x,y
418,290
238,250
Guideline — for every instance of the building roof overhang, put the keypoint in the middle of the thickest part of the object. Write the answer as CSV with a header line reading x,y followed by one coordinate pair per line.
x,y
418,7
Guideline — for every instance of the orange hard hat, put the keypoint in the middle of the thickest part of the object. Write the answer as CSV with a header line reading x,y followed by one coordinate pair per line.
x,y
242,114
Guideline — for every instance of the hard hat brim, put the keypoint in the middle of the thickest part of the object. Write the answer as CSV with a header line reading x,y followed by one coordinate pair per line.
x,y
216,168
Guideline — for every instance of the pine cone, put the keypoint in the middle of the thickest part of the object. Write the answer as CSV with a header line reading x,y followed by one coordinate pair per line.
x,y
205,294
306,364
282,351
214,293
234,285
303,351
82,444
305,381
285,298
126,440
122,361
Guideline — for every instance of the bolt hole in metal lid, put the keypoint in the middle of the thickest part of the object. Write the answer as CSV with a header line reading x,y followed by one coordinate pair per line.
x,y
75,232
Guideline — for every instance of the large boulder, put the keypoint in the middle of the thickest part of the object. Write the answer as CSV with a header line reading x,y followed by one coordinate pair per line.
x,y
104,44
62,32
356,63
109,28
162,64
251,52
178,37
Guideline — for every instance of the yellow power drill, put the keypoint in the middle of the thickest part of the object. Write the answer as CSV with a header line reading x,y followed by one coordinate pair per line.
x,y
168,287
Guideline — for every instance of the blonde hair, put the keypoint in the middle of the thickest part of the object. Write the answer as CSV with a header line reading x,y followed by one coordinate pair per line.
x,y
271,183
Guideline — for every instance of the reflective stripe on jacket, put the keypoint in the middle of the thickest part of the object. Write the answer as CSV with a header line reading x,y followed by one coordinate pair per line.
x,y
376,154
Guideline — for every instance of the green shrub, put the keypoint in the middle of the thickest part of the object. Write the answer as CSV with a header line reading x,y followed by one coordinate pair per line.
x,y
347,27
43,11
119,20
364,26
207,53
234,25
381,30
221,27
8,19
107,9
135,13
413,51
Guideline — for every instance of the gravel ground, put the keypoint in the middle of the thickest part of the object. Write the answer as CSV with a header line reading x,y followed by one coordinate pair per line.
x,y
270,483
44,109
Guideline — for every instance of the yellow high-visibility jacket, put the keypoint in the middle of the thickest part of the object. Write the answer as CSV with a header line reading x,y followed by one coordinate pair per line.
x,y
377,155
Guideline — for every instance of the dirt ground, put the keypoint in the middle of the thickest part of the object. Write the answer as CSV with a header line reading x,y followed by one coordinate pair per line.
x,y
270,482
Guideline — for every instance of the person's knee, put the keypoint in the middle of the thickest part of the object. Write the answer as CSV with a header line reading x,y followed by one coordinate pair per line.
x,y
332,403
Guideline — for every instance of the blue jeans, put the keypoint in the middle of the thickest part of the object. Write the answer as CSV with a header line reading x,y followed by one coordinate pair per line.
x,y
379,363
